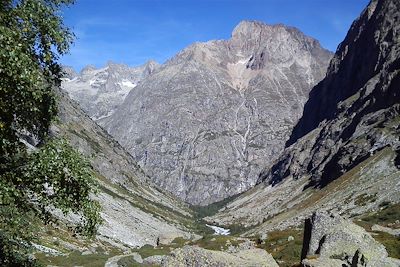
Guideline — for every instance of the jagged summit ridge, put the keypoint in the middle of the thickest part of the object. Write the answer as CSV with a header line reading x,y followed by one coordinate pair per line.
x,y
100,91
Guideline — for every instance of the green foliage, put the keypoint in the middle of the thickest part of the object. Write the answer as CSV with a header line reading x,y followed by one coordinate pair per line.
x,y
388,214
77,259
56,176
211,209
32,36
59,176
364,199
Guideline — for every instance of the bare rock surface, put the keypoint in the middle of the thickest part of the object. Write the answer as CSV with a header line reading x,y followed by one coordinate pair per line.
x,y
361,114
196,256
330,240
204,124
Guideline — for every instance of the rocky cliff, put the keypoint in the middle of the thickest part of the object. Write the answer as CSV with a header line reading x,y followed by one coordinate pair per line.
x,y
206,122
343,155
354,111
100,91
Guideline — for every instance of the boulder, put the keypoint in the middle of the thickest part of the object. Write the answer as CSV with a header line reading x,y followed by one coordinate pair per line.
x,y
330,240
196,256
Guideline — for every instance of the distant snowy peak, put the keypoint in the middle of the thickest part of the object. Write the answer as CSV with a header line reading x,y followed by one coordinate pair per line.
x,y
100,91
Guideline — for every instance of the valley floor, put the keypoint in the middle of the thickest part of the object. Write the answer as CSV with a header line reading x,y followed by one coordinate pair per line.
x,y
285,246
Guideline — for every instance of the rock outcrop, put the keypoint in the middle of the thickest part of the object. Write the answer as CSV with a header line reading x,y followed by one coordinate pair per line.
x,y
100,91
207,121
195,256
330,240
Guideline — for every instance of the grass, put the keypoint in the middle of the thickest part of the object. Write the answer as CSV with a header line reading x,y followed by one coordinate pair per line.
x,y
75,259
201,212
212,209
55,236
130,262
148,206
389,215
364,199
211,242
148,250
84,135
217,242
391,243
286,253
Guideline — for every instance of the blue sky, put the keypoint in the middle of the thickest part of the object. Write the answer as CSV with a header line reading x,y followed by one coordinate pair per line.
x,y
134,31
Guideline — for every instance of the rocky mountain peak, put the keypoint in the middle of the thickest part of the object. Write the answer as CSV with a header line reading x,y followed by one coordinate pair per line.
x,y
100,91
346,145
272,43
69,72
87,69
150,66
248,28
205,121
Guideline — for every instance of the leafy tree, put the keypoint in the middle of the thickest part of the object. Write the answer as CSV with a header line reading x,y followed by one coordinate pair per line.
x,y
32,36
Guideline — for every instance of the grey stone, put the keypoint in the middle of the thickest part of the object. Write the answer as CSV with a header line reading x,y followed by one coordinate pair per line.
x,y
196,256
330,240
154,260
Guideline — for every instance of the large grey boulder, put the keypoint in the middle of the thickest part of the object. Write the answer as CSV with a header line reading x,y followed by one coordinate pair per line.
x,y
189,256
330,240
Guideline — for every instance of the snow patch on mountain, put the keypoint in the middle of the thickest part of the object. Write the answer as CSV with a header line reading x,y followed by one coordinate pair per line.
x,y
101,91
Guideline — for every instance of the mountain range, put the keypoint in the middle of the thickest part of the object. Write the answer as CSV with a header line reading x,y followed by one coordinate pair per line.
x,y
203,124
100,91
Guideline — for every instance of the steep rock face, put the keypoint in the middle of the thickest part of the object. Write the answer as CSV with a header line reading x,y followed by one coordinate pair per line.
x,y
207,120
101,91
351,155
356,108
369,55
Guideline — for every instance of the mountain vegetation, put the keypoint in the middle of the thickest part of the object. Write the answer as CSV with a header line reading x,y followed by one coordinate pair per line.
x,y
37,174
